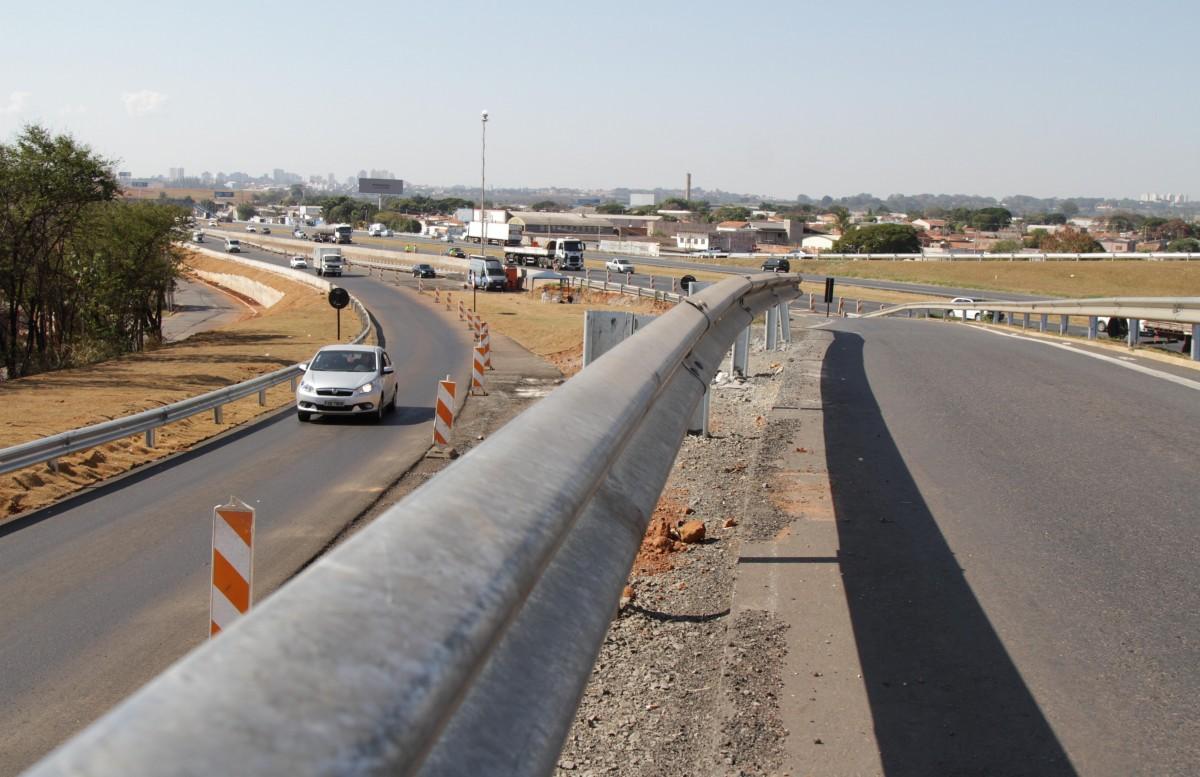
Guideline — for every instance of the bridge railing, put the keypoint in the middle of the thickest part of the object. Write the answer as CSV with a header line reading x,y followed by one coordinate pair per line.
x,y
454,634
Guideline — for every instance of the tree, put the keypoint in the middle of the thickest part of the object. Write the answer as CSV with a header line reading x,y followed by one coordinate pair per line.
x,y
611,208
1069,209
1006,247
1188,245
1071,241
842,217
731,213
545,205
1174,229
209,206
990,219
879,239
246,211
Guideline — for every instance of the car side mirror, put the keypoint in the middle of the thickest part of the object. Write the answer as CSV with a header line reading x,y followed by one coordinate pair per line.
x,y
303,366
388,369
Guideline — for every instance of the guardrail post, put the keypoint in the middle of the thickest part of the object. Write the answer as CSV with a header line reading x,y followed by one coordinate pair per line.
x,y
1093,327
149,438
1042,321
740,363
1196,342
218,414
1062,324
785,321
1134,326
53,465
811,302
772,334
1025,321
262,398
699,423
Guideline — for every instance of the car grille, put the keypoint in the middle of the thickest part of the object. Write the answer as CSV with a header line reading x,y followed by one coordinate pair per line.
x,y
335,392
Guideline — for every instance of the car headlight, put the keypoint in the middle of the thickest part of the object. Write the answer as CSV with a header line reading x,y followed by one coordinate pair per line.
x,y
366,388
306,387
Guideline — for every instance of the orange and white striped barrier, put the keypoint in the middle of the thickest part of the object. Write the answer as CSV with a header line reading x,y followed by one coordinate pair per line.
x,y
462,316
477,367
485,340
841,306
232,564
420,286
858,306
437,299
448,302
443,418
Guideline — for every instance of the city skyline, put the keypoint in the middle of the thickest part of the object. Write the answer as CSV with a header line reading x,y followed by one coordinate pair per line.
x,y
992,98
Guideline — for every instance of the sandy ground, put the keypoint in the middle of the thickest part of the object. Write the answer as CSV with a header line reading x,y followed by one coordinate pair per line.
x,y
47,404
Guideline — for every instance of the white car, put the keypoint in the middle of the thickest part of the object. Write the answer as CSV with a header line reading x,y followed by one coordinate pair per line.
x,y
619,265
298,263
299,234
251,228
347,380
968,315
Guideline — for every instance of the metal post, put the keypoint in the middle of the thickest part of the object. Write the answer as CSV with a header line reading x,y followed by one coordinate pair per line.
x,y
1196,342
149,438
1042,321
699,422
1093,327
741,353
785,321
1062,324
218,415
1025,321
1134,326
772,328
262,398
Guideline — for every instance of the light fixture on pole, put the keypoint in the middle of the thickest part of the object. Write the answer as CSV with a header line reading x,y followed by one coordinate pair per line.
x,y
483,230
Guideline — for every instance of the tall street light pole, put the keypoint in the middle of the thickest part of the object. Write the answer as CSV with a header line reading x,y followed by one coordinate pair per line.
x,y
483,230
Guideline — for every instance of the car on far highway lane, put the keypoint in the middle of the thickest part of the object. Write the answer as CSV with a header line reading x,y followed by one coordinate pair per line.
x,y
424,271
347,380
619,265
266,230
212,222
457,253
968,315
298,263
299,233
251,228
776,265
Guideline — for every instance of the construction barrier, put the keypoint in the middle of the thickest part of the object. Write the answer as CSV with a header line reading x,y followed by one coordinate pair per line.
x,y
479,357
443,418
841,306
448,302
420,286
485,340
462,316
437,299
232,580
858,307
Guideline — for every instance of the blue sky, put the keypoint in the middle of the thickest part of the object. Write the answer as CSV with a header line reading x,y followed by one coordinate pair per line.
x,y
1047,98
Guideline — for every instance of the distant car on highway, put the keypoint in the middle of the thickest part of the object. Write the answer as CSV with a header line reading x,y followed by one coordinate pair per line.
x,y
298,262
347,380
197,237
212,222
251,228
299,233
776,265
457,253
966,315
713,253
619,265
233,245
266,230
423,271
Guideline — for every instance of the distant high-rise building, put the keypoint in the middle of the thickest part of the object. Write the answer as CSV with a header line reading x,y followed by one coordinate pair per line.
x,y
175,174
278,175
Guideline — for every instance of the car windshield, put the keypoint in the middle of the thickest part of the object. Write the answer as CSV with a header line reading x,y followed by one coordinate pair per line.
x,y
423,267
344,361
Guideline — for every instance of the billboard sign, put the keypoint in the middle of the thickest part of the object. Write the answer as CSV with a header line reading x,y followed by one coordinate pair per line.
x,y
222,195
380,186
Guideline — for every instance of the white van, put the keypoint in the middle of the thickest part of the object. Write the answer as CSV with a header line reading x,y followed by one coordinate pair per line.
x,y
233,245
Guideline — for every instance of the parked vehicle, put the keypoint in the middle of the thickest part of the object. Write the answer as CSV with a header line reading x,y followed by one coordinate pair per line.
x,y
327,261
619,265
423,271
347,380
555,254
497,233
298,263
233,245
487,273
775,264
457,253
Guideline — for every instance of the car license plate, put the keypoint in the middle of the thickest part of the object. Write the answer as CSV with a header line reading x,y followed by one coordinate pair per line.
x,y
334,402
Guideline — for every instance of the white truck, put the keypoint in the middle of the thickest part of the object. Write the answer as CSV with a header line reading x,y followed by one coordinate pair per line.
x,y
378,230
497,233
341,233
565,254
487,273
327,261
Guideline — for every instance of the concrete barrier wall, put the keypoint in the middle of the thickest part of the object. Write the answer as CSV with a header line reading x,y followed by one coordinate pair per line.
x,y
397,257
636,247
259,292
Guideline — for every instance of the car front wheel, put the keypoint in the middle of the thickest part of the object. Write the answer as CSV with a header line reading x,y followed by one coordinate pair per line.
x,y
302,416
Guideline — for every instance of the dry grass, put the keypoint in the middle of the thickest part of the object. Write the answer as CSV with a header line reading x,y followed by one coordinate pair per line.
x,y
42,405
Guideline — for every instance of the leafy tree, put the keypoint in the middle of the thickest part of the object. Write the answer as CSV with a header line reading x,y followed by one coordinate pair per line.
x,y
209,206
1070,209
731,213
843,218
546,205
611,208
1007,246
1184,245
1071,241
1054,218
990,219
1036,238
246,211
879,239
1174,229
1124,222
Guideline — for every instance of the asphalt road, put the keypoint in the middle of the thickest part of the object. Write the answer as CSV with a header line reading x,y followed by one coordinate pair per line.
x,y
199,308
102,592
1019,547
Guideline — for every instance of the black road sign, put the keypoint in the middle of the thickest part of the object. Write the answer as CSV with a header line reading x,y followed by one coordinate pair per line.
x,y
828,290
339,297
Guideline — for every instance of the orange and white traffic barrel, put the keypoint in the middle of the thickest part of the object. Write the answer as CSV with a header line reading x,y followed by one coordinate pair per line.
x,y
443,418
485,340
478,360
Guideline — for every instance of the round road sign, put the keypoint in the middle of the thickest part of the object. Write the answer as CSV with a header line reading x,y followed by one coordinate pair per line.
x,y
339,297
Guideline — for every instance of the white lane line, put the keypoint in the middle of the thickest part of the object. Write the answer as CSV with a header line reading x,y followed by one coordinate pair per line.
x,y
1119,361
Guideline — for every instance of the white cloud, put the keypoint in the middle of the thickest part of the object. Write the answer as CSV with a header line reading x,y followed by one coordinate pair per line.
x,y
142,102
16,103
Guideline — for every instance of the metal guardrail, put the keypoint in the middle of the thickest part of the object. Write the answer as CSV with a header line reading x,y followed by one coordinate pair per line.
x,y
50,449
1182,313
1158,256
454,634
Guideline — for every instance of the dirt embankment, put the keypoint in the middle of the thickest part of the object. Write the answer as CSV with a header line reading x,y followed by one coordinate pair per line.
x,y
30,408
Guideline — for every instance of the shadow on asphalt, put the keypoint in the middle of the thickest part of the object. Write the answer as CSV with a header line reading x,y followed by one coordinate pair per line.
x,y
944,694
